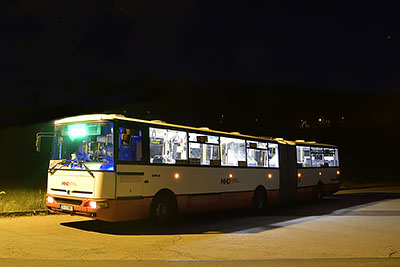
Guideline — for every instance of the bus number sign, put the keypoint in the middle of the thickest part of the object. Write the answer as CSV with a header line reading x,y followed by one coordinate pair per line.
x,y
230,181
226,181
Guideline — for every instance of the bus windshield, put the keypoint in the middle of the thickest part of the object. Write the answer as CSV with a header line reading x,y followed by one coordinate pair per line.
x,y
91,143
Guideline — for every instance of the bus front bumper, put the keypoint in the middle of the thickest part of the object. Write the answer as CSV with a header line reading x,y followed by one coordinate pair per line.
x,y
109,210
76,206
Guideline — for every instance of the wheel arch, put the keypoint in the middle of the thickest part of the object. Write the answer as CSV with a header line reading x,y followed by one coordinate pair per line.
x,y
164,192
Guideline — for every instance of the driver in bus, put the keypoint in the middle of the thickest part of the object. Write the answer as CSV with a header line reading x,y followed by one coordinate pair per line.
x,y
80,154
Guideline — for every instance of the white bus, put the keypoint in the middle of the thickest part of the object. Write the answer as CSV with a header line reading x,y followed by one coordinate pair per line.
x,y
114,168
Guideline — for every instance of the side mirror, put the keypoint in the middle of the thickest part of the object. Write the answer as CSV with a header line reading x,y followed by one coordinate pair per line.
x,y
39,137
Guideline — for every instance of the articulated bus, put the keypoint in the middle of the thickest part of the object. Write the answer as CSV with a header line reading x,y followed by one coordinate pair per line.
x,y
114,168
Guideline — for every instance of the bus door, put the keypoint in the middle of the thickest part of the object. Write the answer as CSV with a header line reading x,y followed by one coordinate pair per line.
x,y
288,173
130,172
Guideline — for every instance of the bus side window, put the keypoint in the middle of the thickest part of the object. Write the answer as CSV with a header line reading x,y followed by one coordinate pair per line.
x,y
303,156
257,154
203,149
273,155
233,151
317,157
168,146
330,157
130,144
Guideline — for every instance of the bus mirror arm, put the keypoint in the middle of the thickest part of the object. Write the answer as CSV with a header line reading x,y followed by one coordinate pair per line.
x,y
39,138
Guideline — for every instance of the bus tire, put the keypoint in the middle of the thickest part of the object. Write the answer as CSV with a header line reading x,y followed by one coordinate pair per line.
x,y
259,203
163,208
319,192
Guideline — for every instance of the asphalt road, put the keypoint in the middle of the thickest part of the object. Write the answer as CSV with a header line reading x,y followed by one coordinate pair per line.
x,y
352,228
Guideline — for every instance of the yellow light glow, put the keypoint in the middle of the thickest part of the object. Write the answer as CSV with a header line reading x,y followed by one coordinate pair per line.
x,y
338,172
231,175
298,175
269,176
177,176
320,173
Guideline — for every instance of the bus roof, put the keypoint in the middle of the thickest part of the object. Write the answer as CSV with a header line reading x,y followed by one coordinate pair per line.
x,y
111,117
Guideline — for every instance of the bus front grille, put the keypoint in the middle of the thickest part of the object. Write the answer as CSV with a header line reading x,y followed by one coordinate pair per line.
x,y
68,201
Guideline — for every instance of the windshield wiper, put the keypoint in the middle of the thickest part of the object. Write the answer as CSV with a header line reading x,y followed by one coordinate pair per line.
x,y
86,167
53,169
69,162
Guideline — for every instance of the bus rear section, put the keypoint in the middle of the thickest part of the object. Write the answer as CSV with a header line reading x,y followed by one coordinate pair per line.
x,y
318,172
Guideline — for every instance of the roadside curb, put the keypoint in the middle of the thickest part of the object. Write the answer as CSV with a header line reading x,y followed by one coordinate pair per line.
x,y
25,213
367,186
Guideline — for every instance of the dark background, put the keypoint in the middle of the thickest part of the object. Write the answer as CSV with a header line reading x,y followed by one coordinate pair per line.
x,y
325,72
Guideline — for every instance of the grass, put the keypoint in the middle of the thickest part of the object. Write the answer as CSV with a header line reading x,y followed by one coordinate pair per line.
x,y
22,199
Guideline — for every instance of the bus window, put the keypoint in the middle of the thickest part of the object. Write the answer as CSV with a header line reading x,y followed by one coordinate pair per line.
x,y
317,157
203,138
88,142
331,157
168,146
233,152
303,156
257,154
203,149
273,155
130,144
337,157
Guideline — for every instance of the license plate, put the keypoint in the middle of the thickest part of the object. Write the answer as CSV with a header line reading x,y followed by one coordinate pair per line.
x,y
67,208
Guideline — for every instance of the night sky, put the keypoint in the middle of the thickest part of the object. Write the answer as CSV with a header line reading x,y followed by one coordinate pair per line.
x,y
63,58
49,44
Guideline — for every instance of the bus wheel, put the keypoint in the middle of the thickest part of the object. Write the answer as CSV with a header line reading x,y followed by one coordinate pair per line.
x,y
259,204
319,192
163,209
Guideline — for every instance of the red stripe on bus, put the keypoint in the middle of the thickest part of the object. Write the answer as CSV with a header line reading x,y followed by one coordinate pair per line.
x,y
273,197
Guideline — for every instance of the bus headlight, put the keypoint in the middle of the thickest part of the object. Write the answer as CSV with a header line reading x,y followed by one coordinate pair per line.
x,y
93,204
50,199
98,205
